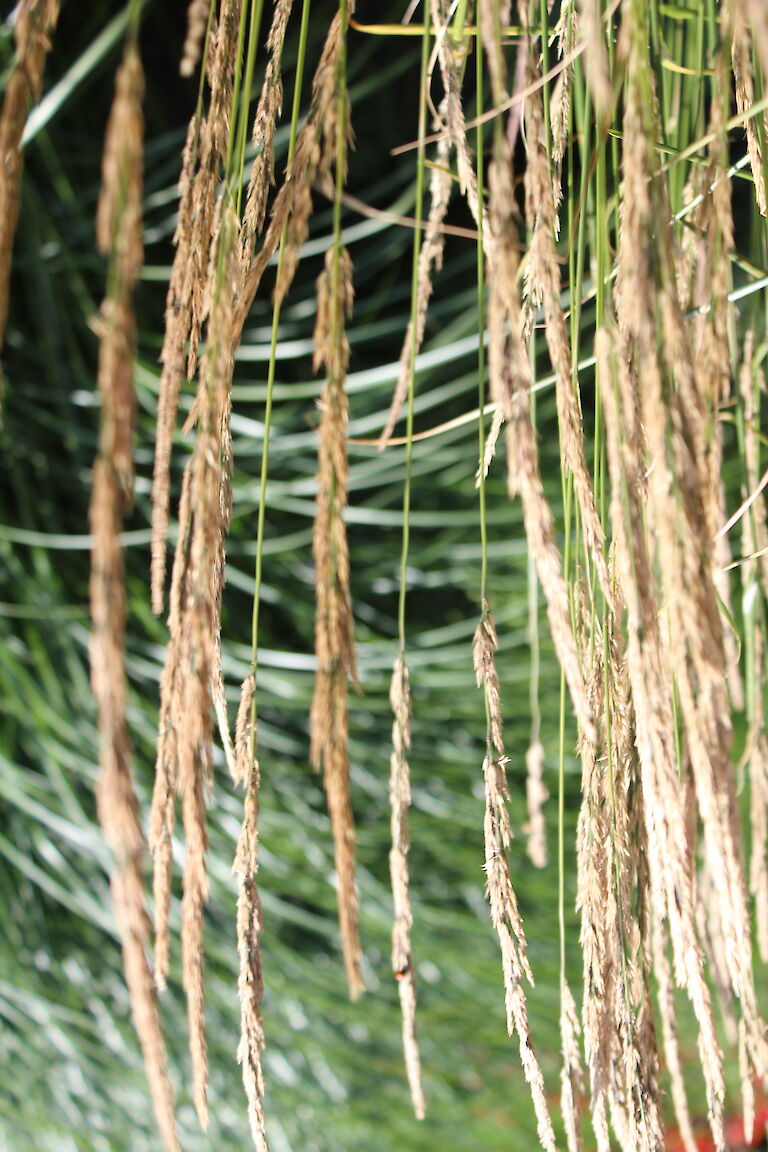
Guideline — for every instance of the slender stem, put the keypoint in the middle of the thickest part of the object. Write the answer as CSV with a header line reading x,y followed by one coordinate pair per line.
x,y
480,162
236,79
567,518
419,211
257,7
303,36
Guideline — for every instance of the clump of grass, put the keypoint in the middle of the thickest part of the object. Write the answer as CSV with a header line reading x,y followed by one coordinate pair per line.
x,y
613,158
631,714
655,749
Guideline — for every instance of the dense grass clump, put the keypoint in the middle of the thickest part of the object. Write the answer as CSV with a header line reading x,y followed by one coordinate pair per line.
x,y
535,236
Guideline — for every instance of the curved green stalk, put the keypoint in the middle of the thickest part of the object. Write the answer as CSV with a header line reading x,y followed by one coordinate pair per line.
x,y
261,519
419,216
480,163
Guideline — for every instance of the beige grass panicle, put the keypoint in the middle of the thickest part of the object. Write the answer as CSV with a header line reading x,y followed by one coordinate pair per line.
x,y
560,108
683,492
597,71
597,938
509,378
668,1018
250,982
311,164
118,235
543,286
402,951
755,524
117,805
619,1040
34,24
198,15
187,685
502,899
737,17
537,794
571,1073
756,18
754,571
430,260
451,58
264,125
334,624
647,660
189,288
711,337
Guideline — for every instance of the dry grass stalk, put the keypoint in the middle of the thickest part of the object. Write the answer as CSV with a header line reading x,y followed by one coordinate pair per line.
x,y
250,984
664,810
597,939
245,736
755,523
638,1057
536,795
267,113
619,1041
500,891
450,56
334,624
34,24
189,289
402,952
192,665
712,355
509,374
560,109
198,14
748,1090
642,1080
755,573
668,1017
484,648
311,164
172,356
684,497
510,380
118,213
163,812
543,285
430,260
192,786
491,440
117,804
571,1074
491,18
118,234
712,935
736,14
597,69
756,18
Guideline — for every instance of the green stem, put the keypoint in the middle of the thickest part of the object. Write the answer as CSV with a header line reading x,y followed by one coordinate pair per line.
x,y
480,161
419,212
257,7
303,36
